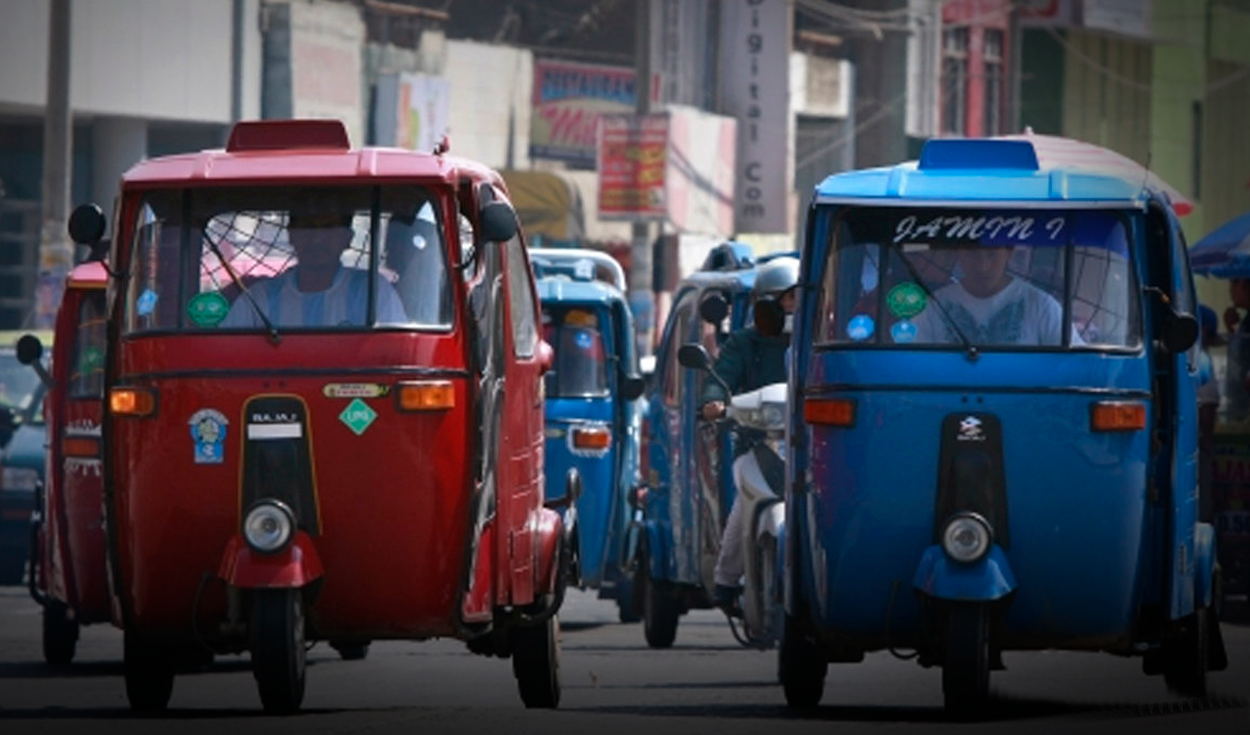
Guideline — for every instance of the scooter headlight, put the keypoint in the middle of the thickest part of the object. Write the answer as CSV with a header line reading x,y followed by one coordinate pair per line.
x,y
967,538
268,526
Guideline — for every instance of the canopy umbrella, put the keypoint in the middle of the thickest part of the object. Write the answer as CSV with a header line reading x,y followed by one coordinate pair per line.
x,y
1078,155
1224,253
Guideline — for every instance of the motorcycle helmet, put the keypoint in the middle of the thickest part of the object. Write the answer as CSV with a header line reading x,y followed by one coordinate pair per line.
x,y
772,280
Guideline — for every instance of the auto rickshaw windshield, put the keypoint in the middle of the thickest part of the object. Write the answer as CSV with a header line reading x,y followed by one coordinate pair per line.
x,y
1052,279
306,257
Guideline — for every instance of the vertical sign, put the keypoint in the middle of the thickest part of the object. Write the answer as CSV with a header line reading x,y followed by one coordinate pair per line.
x,y
632,159
755,57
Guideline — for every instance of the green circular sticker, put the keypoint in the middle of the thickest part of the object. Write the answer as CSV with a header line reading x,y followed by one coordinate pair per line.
x,y
91,360
208,309
906,300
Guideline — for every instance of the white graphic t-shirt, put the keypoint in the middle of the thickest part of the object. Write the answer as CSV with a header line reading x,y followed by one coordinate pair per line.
x,y
1019,314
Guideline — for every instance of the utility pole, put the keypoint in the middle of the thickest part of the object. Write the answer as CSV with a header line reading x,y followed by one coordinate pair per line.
x,y
641,291
56,254
1014,63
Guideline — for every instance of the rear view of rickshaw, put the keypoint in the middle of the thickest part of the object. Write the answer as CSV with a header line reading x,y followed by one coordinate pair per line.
x,y
994,440
593,415
308,435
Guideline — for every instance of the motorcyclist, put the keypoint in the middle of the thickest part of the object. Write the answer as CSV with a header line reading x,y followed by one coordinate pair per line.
x,y
751,357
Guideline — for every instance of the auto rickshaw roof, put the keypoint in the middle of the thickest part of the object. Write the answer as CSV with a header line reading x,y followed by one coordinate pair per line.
x,y
1000,172
305,151
563,290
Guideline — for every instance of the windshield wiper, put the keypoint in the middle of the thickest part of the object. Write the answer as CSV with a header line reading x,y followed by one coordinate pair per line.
x,y
970,348
274,337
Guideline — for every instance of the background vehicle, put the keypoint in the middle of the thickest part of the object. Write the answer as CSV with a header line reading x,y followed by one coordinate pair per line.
x,y
593,417
68,574
277,476
22,439
686,461
962,495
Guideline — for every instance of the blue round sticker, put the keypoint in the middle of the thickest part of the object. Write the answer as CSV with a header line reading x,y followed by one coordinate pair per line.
x,y
860,327
903,332
583,340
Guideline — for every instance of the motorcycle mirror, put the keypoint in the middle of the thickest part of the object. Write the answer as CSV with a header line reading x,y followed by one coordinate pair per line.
x,y
1180,332
713,308
694,356
632,387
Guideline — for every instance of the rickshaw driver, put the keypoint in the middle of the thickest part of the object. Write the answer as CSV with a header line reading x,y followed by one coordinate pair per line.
x,y
317,290
990,306
751,358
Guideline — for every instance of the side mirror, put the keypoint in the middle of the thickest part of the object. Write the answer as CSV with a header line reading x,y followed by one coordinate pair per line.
x,y
498,222
694,356
632,386
86,225
713,308
1180,332
29,349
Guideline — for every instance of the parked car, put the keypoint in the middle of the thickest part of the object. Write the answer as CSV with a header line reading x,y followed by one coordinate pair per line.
x,y
21,473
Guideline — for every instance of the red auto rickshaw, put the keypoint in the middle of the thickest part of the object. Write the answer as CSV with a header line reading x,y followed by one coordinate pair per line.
x,y
68,576
324,411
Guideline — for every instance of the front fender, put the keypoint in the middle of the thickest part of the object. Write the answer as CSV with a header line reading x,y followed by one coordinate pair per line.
x,y
984,581
550,536
295,566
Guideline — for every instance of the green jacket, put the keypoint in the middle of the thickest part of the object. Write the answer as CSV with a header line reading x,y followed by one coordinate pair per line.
x,y
747,360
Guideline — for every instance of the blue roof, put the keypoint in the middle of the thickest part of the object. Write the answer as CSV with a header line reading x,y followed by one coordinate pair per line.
x,y
960,172
564,289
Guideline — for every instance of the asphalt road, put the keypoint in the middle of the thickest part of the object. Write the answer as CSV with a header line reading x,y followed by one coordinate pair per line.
x,y
613,683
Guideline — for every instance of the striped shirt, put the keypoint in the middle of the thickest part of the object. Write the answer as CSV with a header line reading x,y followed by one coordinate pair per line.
x,y
342,304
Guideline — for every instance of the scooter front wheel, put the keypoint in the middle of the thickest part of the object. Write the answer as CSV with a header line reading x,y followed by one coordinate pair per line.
x,y
966,667
278,651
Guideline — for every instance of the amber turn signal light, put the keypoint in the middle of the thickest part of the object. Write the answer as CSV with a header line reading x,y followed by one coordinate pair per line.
x,y
132,401
829,411
1118,416
596,439
427,395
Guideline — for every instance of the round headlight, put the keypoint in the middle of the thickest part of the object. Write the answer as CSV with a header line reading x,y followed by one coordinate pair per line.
x,y
268,526
966,538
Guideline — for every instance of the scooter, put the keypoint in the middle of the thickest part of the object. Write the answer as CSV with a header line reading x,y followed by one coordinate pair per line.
x,y
759,417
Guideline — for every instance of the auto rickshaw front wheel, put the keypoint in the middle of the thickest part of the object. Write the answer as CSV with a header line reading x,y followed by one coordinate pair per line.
x,y
801,667
60,634
1185,656
278,650
351,651
536,663
966,665
149,672
660,610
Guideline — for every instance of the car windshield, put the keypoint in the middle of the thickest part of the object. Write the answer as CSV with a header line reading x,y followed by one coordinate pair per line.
x,y
247,258
985,278
579,369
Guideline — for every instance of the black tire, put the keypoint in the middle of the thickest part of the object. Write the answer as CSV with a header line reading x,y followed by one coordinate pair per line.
x,y
278,651
1185,656
351,651
149,672
536,663
626,606
60,634
801,667
660,612
966,665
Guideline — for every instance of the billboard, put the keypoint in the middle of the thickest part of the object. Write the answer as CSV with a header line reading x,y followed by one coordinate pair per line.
x,y
568,99
632,156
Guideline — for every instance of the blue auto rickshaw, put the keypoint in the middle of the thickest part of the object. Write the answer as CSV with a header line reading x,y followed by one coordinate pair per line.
x,y
688,486
962,486
593,417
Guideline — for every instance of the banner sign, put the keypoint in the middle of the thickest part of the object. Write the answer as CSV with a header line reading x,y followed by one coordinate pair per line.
x,y
632,161
568,99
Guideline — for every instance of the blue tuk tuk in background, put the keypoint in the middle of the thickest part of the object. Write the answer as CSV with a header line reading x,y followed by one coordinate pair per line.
x,y
593,417
958,488
688,487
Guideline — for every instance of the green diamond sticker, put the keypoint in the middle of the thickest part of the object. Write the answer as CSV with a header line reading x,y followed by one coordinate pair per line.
x,y
357,416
